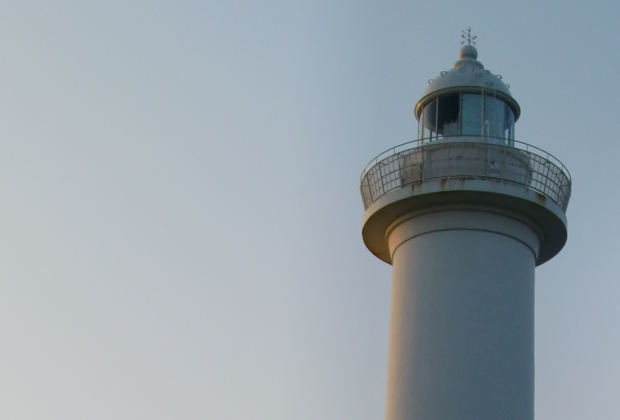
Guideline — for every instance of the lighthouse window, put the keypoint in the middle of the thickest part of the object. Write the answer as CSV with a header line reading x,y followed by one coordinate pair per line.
x,y
471,114
429,121
467,114
440,118
448,115
494,117
509,125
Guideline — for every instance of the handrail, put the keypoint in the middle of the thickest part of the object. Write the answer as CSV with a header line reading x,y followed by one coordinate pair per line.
x,y
429,141
510,161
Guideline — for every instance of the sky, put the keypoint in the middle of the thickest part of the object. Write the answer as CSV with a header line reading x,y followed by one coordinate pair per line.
x,y
181,219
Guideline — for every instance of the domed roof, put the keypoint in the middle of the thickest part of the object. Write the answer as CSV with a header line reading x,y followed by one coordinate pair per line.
x,y
467,75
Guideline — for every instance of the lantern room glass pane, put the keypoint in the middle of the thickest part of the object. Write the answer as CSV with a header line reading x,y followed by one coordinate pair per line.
x,y
494,117
448,115
471,114
421,125
509,125
429,121
466,114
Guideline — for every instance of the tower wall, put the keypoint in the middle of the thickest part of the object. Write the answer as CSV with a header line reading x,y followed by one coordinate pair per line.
x,y
462,320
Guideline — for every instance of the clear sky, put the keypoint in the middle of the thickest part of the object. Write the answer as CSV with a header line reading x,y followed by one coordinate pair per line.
x,y
180,232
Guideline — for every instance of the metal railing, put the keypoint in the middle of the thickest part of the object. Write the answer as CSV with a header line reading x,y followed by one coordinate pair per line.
x,y
505,160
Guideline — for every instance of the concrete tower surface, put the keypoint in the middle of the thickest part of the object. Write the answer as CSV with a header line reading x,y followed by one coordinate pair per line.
x,y
464,214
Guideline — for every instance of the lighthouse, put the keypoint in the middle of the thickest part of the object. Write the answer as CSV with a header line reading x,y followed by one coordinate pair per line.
x,y
464,214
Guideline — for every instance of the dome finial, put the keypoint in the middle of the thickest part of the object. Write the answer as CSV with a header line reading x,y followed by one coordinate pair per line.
x,y
468,50
468,38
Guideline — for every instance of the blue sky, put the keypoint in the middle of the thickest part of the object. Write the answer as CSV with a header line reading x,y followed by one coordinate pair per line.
x,y
181,216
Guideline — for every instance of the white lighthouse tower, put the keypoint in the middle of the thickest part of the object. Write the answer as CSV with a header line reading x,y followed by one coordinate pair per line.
x,y
464,214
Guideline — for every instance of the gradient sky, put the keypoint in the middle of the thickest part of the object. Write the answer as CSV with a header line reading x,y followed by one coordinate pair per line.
x,y
181,216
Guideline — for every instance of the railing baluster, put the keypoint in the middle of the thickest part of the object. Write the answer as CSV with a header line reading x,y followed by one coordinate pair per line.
x,y
547,174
